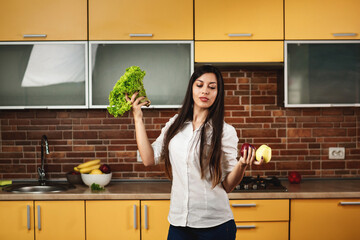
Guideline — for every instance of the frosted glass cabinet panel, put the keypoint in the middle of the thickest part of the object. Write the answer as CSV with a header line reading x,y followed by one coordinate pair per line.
x,y
322,73
43,75
168,66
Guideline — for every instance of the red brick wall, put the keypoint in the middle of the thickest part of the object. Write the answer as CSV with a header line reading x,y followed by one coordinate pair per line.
x,y
300,137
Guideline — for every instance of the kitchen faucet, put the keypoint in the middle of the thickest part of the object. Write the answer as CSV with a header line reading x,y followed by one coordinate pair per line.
x,y
41,170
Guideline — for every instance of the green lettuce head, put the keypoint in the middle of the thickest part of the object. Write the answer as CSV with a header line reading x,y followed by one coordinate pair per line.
x,y
130,82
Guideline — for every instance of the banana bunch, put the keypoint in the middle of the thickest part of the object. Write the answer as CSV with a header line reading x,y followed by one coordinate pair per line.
x,y
87,167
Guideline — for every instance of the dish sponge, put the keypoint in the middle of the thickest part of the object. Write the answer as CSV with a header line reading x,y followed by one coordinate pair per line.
x,y
5,182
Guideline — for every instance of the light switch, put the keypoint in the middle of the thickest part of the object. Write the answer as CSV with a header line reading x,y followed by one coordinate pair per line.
x,y
138,157
337,153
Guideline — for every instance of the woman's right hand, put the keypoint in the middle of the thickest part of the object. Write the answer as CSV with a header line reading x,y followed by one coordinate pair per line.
x,y
144,146
248,158
136,105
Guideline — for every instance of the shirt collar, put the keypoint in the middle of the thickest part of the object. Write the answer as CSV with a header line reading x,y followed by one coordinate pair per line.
x,y
208,124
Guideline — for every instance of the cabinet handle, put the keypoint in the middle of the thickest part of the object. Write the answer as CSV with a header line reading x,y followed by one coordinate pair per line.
x,y
349,203
28,217
239,34
146,216
244,205
39,217
34,35
135,217
246,227
344,34
140,35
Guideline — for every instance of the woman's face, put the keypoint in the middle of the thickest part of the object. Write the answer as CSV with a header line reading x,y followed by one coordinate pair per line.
x,y
205,90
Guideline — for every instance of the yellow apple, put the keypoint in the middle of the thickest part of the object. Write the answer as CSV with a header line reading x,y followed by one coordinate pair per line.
x,y
265,152
96,171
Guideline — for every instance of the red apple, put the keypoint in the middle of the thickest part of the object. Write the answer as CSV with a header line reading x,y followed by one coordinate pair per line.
x,y
105,168
244,147
294,177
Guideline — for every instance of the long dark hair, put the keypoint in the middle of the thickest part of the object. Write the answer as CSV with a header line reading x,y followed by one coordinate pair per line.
x,y
215,117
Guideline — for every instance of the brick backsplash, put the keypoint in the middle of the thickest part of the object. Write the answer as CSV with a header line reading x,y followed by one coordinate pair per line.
x,y
299,137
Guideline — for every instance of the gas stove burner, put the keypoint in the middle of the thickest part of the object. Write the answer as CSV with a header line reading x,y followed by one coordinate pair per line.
x,y
259,184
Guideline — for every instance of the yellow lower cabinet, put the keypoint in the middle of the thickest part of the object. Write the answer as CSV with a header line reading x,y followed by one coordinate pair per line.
x,y
262,230
59,220
113,219
55,220
329,219
16,220
261,219
154,223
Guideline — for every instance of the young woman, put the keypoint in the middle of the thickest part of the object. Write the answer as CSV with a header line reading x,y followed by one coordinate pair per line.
x,y
200,154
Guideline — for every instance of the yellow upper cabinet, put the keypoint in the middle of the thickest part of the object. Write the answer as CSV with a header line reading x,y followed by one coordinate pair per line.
x,y
141,20
239,51
238,20
322,19
43,20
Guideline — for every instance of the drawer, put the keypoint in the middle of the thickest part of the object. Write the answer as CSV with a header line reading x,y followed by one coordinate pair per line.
x,y
262,230
260,210
239,51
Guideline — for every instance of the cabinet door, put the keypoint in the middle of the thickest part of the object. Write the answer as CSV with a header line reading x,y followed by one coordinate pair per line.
x,y
55,20
47,74
113,220
17,220
238,20
154,224
168,67
140,20
322,19
329,219
322,73
59,220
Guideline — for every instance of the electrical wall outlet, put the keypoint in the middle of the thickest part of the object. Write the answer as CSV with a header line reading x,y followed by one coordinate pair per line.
x,y
337,153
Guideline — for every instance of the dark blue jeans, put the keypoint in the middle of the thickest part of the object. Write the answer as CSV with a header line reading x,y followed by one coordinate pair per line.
x,y
225,231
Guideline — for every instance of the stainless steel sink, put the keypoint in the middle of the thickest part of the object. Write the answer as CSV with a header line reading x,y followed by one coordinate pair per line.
x,y
37,188
42,185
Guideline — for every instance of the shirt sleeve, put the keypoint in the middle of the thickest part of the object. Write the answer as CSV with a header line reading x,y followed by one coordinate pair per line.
x,y
158,143
229,149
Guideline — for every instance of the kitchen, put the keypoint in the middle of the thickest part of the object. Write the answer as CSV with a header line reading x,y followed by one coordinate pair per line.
x,y
300,136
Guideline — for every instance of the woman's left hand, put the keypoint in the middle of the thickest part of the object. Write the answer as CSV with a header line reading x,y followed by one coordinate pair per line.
x,y
248,158
235,176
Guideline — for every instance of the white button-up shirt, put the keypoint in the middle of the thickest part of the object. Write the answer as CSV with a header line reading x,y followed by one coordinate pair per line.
x,y
194,202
